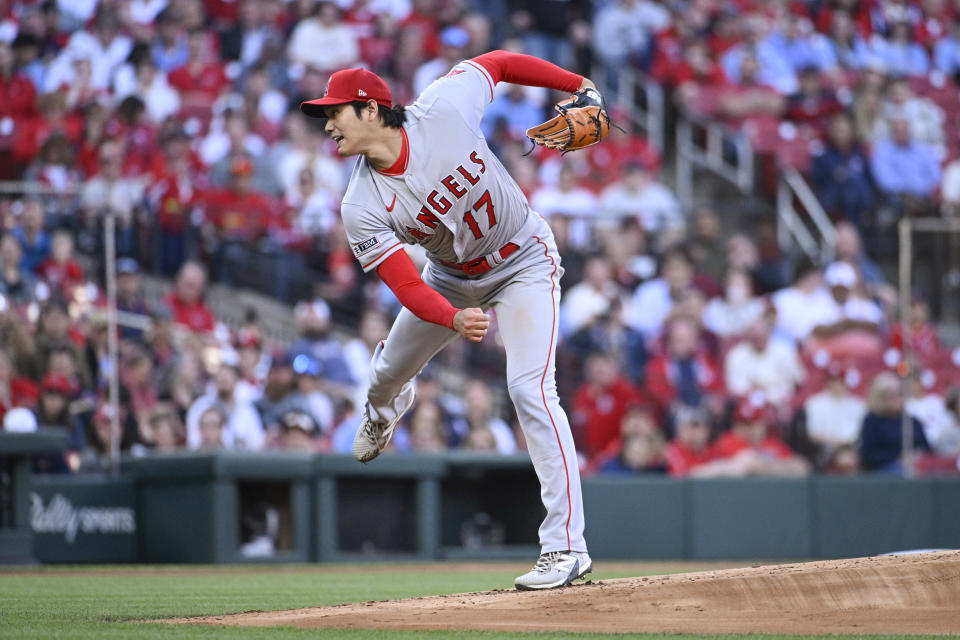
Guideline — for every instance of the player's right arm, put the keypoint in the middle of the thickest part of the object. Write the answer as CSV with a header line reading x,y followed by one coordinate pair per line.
x,y
377,247
399,273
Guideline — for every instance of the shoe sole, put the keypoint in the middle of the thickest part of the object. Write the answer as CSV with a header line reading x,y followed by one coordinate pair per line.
x,y
390,429
576,574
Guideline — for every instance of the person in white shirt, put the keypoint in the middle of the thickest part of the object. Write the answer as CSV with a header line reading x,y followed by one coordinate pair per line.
x,y
569,199
803,304
639,194
849,310
732,313
323,40
759,363
589,298
652,301
937,414
834,414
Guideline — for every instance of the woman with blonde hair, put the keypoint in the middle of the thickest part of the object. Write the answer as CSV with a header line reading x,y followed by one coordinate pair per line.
x,y
881,440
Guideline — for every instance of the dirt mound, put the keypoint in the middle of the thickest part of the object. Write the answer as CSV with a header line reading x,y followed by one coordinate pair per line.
x,y
910,594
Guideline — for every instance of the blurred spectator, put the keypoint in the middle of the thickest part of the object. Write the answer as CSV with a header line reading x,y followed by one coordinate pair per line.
x,y
900,53
749,449
926,404
850,325
247,39
279,392
607,333
55,333
15,390
211,429
881,433
511,113
924,341
567,198
17,284
797,43
201,79
479,415
240,426
358,352
848,247
757,60
652,301
684,373
950,189
801,305
640,453
749,97
923,117
60,271
905,169
623,34
599,405
169,48
103,47
186,299
761,363
323,40
849,47
944,436
639,194
142,79
298,432
96,455
690,446
17,91
453,44
946,51
165,431
316,340
130,297
730,314
110,192
833,415
813,104
32,236
427,431
589,298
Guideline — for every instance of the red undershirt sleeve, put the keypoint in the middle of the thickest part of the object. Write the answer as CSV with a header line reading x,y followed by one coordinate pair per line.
x,y
400,274
518,68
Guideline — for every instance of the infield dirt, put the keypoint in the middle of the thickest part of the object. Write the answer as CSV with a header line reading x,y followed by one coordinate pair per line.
x,y
906,594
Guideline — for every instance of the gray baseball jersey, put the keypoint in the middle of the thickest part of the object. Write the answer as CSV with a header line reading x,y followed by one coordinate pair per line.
x,y
455,199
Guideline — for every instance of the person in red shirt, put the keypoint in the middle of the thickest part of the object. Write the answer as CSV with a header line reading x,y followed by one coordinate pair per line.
x,y
186,300
923,334
690,446
749,449
60,270
17,93
201,80
600,404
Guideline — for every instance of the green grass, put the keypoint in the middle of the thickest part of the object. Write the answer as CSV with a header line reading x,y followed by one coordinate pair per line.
x,y
102,603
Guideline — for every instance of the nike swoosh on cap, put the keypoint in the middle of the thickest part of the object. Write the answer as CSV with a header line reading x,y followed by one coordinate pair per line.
x,y
390,208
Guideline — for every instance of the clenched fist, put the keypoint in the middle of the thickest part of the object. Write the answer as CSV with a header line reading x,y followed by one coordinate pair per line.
x,y
471,323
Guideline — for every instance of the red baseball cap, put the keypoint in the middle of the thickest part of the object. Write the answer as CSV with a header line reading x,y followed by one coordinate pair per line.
x,y
348,85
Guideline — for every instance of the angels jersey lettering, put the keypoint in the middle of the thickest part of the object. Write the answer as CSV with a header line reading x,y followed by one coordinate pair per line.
x,y
455,198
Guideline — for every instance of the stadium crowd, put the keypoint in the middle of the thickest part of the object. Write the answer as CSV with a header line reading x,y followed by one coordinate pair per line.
x,y
687,347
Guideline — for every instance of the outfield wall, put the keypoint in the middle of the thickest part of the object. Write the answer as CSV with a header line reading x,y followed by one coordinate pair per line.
x,y
211,508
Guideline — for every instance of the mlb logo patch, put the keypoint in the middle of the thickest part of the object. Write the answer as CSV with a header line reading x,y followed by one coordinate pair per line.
x,y
361,248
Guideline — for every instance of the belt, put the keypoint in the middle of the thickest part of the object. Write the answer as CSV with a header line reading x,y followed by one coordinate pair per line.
x,y
485,263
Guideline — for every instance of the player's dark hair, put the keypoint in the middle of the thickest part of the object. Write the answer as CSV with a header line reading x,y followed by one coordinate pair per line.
x,y
390,117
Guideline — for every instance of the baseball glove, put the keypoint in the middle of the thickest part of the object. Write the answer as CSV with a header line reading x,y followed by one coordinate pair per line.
x,y
583,121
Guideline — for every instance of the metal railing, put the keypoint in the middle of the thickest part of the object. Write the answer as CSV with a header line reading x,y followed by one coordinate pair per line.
x,y
705,145
810,228
640,97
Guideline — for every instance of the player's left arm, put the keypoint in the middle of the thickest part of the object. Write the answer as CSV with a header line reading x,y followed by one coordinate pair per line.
x,y
519,68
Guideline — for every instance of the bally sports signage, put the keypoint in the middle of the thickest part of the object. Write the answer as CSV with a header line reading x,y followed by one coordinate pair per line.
x,y
78,520
61,516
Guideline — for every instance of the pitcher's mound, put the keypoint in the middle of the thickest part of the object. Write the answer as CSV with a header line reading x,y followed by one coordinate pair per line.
x,y
909,594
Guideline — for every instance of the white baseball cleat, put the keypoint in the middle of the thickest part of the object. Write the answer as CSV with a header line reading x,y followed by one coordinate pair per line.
x,y
555,569
373,437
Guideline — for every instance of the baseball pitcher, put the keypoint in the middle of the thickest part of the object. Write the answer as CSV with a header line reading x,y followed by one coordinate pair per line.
x,y
426,176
